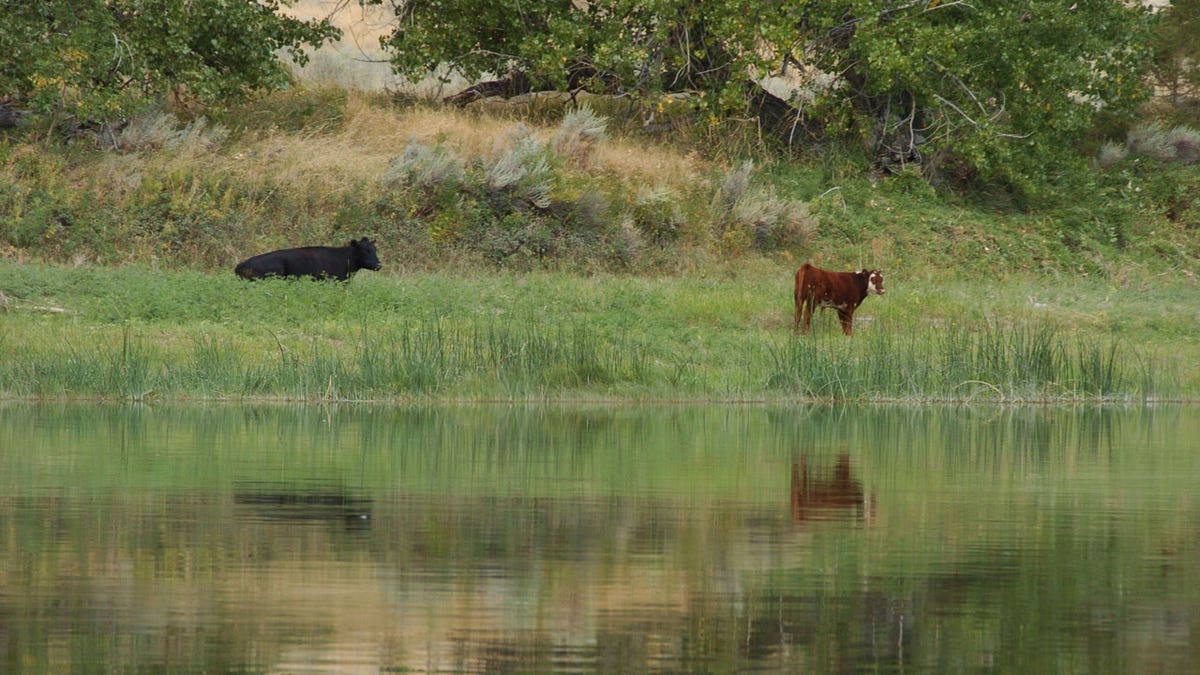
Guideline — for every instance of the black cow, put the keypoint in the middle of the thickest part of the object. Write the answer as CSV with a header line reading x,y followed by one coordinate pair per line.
x,y
318,262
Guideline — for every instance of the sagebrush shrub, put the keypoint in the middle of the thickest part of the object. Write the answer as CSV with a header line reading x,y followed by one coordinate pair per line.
x,y
745,215
424,166
1111,153
1179,144
523,168
655,214
157,129
580,131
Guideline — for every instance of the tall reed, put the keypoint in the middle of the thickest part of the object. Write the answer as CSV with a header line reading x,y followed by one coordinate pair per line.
x,y
478,359
993,362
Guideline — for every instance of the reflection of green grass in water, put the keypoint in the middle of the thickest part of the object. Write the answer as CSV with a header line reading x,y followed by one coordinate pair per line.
x,y
990,521
132,333
735,452
942,483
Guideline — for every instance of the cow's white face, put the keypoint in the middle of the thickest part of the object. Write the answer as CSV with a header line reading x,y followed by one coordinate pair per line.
x,y
875,282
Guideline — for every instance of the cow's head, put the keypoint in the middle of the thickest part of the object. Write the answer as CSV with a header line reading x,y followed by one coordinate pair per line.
x,y
874,281
365,254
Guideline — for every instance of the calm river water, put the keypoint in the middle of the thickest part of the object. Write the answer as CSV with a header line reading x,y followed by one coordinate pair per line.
x,y
624,539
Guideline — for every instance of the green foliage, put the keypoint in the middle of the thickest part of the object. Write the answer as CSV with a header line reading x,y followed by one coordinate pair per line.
x,y
1005,88
172,213
1008,88
193,195
98,60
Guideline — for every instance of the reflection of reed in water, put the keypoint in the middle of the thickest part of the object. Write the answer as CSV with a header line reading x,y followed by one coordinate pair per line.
x,y
301,503
828,496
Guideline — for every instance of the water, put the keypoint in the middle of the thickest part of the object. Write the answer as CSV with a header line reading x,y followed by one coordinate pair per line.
x,y
626,539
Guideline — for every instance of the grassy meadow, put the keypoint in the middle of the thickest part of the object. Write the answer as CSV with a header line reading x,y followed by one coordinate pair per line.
x,y
136,333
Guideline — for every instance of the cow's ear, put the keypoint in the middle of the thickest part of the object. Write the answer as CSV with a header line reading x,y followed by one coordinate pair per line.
x,y
353,244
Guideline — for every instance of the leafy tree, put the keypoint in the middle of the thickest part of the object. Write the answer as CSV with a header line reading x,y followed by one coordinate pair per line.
x,y
98,59
1008,88
1005,87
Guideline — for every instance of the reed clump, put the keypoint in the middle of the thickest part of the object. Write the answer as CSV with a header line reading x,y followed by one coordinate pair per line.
x,y
503,360
430,359
989,362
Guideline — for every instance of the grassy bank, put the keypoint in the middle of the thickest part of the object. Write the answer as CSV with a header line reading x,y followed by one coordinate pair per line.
x,y
444,188
142,334
570,256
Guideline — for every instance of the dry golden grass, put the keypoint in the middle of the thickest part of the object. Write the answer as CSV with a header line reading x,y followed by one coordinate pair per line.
x,y
372,135
639,163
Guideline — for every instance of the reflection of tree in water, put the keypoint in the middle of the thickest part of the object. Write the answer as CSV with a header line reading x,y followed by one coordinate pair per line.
x,y
791,623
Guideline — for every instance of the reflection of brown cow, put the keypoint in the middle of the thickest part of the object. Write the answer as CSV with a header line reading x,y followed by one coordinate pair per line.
x,y
843,291
827,497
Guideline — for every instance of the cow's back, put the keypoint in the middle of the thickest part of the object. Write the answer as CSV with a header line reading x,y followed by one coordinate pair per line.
x,y
312,261
262,265
811,283
318,262
803,281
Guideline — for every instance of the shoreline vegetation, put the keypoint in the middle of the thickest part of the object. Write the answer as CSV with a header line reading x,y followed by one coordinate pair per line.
x,y
138,334
562,257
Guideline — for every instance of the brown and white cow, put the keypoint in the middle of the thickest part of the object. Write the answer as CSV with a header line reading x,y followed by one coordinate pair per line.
x,y
843,291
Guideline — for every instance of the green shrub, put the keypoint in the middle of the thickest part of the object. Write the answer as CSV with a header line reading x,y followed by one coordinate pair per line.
x,y
656,215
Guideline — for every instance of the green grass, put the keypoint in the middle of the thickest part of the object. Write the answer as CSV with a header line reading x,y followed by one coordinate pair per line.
x,y
134,333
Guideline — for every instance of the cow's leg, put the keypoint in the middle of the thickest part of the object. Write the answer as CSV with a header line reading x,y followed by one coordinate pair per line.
x,y
847,317
799,487
807,317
